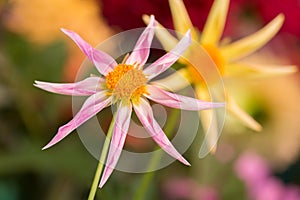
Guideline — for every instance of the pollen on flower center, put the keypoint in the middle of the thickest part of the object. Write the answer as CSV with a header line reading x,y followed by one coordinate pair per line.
x,y
126,82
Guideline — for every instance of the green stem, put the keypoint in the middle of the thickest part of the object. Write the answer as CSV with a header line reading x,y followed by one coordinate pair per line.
x,y
101,161
147,178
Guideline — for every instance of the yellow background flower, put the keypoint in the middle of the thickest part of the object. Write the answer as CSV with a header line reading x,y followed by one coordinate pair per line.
x,y
40,22
225,55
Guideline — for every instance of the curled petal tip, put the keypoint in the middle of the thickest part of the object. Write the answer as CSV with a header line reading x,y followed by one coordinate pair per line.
x,y
213,150
278,20
66,31
106,174
183,160
152,17
281,16
242,116
101,184
36,82
189,35
146,18
152,20
186,163
47,146
257,128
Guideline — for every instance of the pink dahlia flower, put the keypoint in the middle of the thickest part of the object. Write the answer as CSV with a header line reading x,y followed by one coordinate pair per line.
x,y
128,86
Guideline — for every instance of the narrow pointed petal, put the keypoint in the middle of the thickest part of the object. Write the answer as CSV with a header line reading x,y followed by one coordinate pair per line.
x,y
213,29
141,50
174,82
178,101
144,112
181,19
85,87
241,115
251,43
117,142
210,129
103,62
209,124
259,70
167,40
164,62
90,108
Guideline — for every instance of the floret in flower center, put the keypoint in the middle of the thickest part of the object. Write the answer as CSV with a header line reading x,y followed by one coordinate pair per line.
x,y
126,82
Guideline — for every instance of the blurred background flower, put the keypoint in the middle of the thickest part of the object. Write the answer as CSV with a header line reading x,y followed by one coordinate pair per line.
x,y
40,23
272,101
257,11
260,184
32,47
243,16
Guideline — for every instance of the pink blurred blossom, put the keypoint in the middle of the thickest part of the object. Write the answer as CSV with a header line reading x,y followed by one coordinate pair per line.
x,y
251,168
186,188
260,184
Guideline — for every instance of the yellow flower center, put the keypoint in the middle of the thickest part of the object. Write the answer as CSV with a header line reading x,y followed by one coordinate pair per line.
x,y
216,56
126,82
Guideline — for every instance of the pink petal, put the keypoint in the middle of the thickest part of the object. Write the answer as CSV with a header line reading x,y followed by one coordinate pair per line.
x,y
103,62
117,141
178,101
91,107
163,63
141,50
85,87
144,112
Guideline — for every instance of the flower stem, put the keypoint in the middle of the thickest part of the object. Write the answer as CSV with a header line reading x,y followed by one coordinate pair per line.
x,y
101,161
147,178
